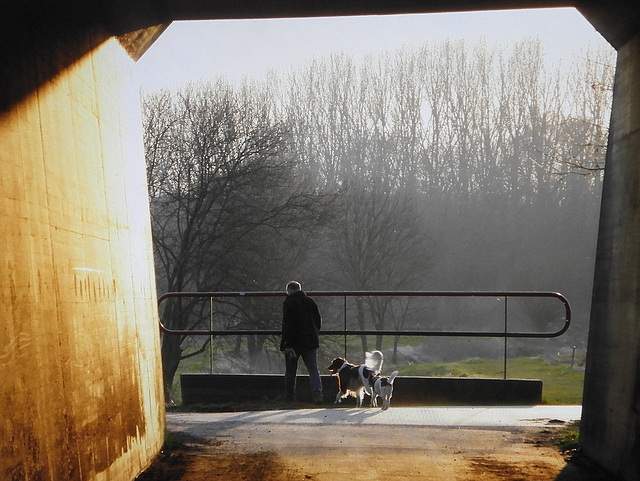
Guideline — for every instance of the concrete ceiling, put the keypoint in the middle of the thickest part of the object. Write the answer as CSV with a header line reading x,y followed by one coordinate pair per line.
x,y
72,27
617,20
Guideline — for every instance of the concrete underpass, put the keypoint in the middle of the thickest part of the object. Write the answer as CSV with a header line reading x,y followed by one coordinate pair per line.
x,y
79,341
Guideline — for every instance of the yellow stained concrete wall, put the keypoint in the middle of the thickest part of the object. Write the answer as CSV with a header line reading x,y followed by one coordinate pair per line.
x,y
81,393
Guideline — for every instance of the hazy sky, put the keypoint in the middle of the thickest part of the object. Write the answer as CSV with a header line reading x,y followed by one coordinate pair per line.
x,y
238,48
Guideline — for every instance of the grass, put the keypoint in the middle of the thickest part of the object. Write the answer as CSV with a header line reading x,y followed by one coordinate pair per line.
x,y
567,437
560,383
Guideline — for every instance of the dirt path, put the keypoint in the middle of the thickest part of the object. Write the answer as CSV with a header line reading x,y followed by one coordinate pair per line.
x,y
238,451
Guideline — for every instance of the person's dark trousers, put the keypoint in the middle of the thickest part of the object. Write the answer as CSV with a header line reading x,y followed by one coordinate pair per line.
x,y
291,369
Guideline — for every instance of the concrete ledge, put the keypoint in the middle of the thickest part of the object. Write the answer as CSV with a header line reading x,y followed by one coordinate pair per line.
x,y
408,390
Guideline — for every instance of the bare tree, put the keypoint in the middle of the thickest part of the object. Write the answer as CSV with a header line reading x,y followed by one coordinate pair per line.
x,y
446,141
586,124
364,137
381,243
226,196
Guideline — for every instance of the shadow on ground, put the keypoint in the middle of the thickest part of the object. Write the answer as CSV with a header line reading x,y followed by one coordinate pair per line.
x,y
185,457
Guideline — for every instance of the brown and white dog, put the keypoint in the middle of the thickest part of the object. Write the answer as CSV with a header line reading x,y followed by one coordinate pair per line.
x,y
383,387
353,380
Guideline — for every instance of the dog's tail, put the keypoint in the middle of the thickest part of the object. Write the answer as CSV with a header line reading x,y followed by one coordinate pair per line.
x,y
365,375
393,376
373,360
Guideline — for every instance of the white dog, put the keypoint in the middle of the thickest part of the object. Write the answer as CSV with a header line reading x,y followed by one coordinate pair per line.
x,y
383,387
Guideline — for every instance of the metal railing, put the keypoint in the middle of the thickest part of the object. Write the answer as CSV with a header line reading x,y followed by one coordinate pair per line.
x,y
505,333
388,332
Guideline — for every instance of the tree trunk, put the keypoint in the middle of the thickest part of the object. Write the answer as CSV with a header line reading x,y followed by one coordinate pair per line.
x,y
256,346
394,356
171,353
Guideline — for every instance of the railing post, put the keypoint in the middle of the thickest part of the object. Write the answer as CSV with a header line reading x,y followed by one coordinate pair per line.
x,y
506,329
345,326
211,337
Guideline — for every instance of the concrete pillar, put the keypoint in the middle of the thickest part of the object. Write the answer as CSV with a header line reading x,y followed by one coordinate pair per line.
x,y
81,391
610,430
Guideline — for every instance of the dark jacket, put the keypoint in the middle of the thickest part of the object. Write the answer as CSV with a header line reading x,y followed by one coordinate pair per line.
x,y
301,323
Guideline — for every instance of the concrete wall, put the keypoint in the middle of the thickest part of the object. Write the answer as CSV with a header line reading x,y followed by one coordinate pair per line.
x,y
81,390
204,389
610,432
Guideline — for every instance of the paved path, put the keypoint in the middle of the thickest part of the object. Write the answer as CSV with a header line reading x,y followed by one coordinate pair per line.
x,y
491,417
400,444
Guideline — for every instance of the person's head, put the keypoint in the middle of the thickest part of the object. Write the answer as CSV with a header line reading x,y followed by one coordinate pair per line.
x,y
293,286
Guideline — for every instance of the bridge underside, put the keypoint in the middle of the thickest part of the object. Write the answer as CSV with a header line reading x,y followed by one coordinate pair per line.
x,y
616,20
79,341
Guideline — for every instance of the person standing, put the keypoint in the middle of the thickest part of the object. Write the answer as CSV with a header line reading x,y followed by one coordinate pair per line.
x,y
301,322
